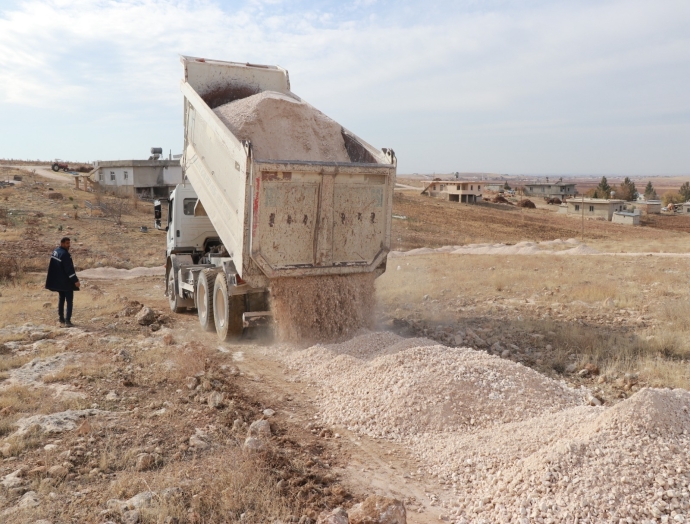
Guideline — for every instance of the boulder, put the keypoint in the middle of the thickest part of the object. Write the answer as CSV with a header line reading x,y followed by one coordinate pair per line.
x,y
54,195
146,316
378,510
29,500
215,399
260,429
145,461
337,516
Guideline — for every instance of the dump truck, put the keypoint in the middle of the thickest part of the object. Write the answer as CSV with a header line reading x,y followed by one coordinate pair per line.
x,y
238,221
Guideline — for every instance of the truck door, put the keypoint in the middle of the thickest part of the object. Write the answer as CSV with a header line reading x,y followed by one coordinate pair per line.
x,y
171,224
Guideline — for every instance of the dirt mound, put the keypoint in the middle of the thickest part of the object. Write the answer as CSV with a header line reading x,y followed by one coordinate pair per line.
x,y
554,200
525,202
498,199
322,308
281,127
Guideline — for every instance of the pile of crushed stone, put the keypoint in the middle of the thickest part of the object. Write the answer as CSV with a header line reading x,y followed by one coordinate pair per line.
x,y
282,127
508,444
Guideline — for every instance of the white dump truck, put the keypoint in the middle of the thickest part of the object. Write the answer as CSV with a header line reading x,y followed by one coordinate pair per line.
x,y
238,221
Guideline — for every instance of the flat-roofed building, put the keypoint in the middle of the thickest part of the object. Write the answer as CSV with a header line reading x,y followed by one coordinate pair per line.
x,y
153,178
595,207
649,207
629,218
468,192
550,189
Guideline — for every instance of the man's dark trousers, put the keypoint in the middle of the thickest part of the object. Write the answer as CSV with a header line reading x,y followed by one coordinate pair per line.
x,y
65,296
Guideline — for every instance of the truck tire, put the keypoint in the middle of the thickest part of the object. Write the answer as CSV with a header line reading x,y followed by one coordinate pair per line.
x,y
173,299
204,300
227,310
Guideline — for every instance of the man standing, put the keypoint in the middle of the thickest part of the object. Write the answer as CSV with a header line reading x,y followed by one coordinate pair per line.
x,y
63,278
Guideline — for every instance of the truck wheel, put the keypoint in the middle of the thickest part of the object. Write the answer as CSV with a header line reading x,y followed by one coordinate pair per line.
x,y
227,310
172,294
56,167
204,301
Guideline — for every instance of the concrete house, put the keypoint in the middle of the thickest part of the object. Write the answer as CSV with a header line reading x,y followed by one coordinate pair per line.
x,y
152,178
627,218
649,207
550,189
469,192
600,208
685,208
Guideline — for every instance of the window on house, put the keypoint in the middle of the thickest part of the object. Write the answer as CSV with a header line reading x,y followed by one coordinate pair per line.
x,y
479,187
100,177
591,209
443,186
112,176
458,187
472,188
126,173
577,207
188,206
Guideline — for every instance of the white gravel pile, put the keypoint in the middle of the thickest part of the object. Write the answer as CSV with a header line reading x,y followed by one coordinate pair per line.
x,y
282,127
508,444
385,386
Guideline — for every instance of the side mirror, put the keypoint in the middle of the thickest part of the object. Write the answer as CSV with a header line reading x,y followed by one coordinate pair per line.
x,y
157,214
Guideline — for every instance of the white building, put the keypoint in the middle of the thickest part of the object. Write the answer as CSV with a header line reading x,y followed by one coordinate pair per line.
x,y
466,191
145,178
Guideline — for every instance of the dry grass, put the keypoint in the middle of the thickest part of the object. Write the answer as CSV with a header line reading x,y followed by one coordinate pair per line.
x,y
563,299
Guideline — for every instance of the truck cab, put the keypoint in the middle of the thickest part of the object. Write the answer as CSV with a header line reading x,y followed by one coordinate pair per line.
x,y
189,228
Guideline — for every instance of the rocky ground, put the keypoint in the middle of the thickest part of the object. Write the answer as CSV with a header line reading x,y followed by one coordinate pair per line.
x,y
136,415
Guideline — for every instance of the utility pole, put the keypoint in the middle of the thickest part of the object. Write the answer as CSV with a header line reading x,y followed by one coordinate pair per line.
x,y
583,217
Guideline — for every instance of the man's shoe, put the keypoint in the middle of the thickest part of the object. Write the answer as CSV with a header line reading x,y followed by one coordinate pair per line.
x,y
61,323
68,324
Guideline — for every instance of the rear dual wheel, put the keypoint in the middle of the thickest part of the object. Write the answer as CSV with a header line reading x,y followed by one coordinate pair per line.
x,y
227,310
173,297
204,300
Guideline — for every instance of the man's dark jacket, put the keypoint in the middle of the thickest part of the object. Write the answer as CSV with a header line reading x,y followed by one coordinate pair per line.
x,y
61,273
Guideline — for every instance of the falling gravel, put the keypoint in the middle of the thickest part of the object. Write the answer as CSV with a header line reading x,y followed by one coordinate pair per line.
x,y
323,308
506,443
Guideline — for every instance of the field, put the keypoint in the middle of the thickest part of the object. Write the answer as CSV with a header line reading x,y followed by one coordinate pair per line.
x,y
162,411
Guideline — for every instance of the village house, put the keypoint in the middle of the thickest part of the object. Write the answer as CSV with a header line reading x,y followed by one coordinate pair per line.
x,y
469,192
649,207
152,178
685,208
550,189
627,218
595,207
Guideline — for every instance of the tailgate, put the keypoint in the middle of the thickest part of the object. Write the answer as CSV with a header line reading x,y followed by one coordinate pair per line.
x,y
320,218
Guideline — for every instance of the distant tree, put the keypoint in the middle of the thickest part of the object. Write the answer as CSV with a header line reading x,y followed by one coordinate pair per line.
x,y
506,186
672,197
685,191
627,190
603,190
650,193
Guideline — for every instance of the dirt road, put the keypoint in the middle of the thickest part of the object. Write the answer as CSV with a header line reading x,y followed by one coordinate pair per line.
x,y
45,172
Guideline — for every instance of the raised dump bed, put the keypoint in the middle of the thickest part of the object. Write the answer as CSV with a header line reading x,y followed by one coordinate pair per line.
x,y
283,190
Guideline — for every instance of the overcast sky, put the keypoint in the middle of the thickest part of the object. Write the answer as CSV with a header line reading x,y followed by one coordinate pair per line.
x,y
541,87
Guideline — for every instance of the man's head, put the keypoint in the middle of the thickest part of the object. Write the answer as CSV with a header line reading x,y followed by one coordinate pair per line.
x,y
65,243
